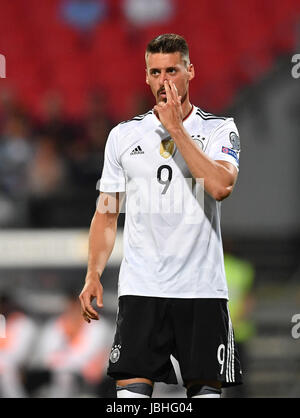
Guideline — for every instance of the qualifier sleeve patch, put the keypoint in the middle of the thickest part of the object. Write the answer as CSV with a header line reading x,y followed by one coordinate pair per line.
x,y
230,151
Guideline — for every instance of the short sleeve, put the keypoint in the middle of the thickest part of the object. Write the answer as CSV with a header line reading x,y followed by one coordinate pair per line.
x,y
225,143
113,178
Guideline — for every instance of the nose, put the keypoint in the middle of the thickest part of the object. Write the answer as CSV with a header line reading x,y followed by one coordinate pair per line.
x,y
163,76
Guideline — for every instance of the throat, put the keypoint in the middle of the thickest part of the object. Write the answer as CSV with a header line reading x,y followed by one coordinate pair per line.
x,y
187,113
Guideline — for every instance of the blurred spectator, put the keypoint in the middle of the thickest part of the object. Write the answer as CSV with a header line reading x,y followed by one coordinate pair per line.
x,y
140,103
240,276
8,105
84,15
46,172
144,12
54,121
15,348
97,121
86,154
15,154
73,352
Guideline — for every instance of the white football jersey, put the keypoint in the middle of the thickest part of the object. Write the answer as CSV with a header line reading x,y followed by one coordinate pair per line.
x,y
172,237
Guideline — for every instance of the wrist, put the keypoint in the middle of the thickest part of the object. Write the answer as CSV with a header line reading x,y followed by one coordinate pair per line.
x,y
176,131
92,275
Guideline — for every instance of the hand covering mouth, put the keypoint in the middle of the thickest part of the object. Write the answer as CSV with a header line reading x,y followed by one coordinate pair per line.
x,y
163,91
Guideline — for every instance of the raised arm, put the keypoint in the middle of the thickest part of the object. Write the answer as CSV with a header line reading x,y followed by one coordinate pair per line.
x,y
102,237
219,176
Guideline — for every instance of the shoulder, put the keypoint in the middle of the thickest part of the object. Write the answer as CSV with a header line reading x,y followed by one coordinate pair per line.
x,y
127,131
209,116
126,127
137,120
212,123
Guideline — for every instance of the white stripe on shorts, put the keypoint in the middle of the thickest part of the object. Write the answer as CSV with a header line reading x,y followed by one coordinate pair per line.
x,y
230,352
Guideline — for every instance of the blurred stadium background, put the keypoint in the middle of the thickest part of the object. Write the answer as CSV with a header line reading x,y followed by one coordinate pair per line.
x,y
73,70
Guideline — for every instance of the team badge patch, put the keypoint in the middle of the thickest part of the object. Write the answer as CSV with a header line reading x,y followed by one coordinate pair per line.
x,y
230,151
199,141
115,353
235,141
167,147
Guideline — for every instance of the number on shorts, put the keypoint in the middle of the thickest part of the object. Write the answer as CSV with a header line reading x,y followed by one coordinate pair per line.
x,y
221,356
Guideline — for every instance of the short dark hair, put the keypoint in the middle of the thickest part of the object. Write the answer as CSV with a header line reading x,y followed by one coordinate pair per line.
x,y
169,43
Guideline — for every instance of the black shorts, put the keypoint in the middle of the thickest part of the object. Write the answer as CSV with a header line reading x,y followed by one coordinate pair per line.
x,y
197,332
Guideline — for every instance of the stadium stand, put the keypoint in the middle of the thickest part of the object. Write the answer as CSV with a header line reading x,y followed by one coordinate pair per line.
x,y
231,46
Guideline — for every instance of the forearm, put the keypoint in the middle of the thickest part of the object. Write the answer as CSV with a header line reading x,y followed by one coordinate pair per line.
x,y
218,180
102,237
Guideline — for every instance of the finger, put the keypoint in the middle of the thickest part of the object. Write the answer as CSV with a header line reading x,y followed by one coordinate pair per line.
x,y
168,92
99,300
85,317
91,312
175,93
174,90
157,108
88,307
82,304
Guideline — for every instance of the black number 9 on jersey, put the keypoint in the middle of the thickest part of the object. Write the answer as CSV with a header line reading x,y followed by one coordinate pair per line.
x,y
159,175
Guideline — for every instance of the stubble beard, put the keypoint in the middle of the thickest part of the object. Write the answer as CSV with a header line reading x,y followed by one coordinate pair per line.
x,y
164,99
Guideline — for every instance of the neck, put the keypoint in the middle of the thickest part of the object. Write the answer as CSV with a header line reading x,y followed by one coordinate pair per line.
x,y
186,109
186,105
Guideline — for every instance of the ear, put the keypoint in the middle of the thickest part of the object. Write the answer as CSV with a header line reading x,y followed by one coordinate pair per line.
x,y
147,80
191,71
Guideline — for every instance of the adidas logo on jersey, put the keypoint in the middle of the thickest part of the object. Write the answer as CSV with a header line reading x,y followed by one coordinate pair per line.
x,y
137,150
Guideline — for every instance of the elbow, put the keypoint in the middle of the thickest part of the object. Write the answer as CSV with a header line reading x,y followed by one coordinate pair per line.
x,y
222,192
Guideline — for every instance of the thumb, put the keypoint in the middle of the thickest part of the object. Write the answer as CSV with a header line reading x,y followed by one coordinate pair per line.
x,y
99,300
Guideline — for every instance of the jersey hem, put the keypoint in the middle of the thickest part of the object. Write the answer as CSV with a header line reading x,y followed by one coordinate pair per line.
x,y
166,295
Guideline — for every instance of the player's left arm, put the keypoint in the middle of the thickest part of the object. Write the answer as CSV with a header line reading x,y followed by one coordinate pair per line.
x,y
219,176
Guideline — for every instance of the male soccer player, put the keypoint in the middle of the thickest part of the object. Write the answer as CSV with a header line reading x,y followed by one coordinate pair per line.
x,y
175,164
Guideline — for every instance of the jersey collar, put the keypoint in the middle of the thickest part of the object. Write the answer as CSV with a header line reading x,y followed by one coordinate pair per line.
x,y
192,111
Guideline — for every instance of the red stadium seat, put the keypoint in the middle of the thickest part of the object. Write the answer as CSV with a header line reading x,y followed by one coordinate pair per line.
x,y
232,43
